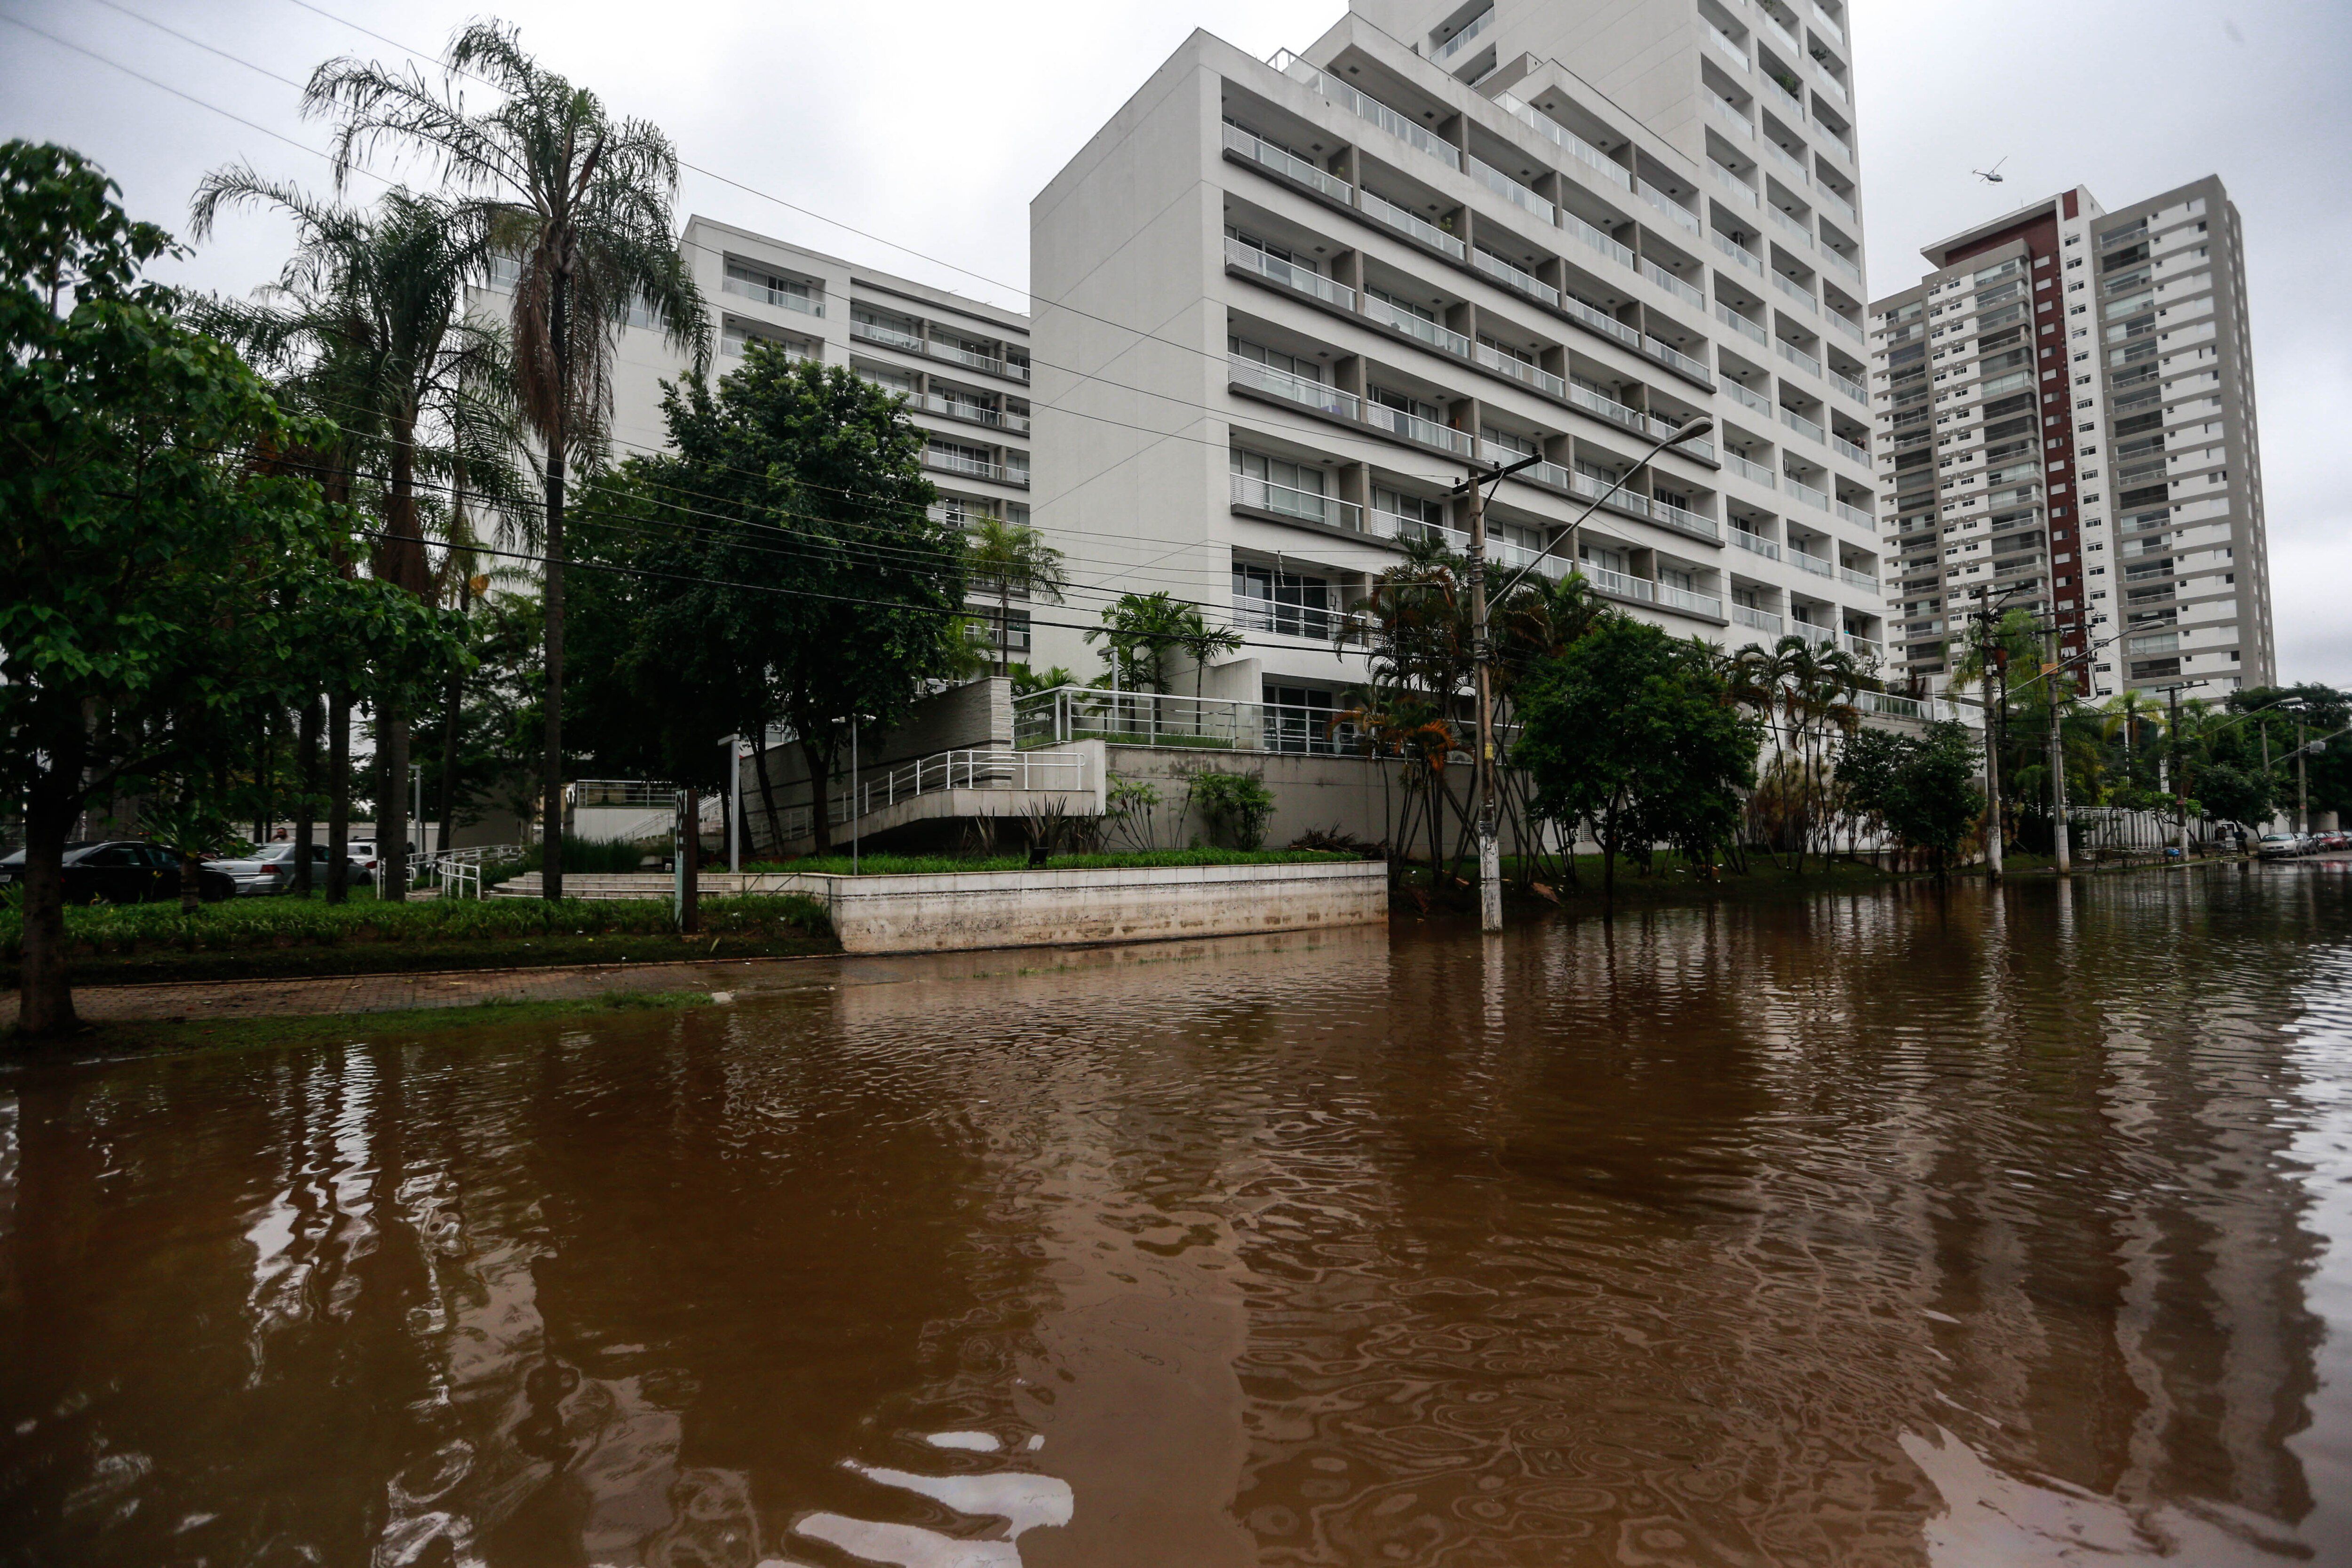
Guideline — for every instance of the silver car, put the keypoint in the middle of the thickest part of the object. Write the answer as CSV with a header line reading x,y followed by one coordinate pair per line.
x,y
269,871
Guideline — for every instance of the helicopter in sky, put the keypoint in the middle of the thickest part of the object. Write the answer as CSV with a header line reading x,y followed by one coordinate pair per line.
x,y
1991,176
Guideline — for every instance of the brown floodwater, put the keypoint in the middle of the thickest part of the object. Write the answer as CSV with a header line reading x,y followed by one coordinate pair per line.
x,y
1894,1228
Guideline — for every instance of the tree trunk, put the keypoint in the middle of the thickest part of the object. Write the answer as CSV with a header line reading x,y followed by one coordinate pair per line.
x,y
392,807
689,904
192,887
551,808
305,773
820,771
767,790
339,796
45,994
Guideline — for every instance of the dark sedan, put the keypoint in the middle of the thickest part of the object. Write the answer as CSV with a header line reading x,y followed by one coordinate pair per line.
x,y
122,871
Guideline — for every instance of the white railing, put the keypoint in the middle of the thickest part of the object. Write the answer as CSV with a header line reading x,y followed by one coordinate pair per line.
x,y
1676,213
1842,267
1284,162
1801,294
1805,492
1829,24
1619,584
1853,389
1752,331
1836,203
1600,322
1739,188
1733,116
1621,254
1800,423
1763,621
959,463
1734,50
1694,604
1856,516
1756,542
1070,713
1288,275
1012,370
1371,108
458,872
1608,408
1463,39
1863,647
1772,26
1799,234
1808,632
1738,252
1407,223
1518,368
888,337
1844,328
1445,339
1509,189
1584,152
1672,284
1854,579
1807,561
1665,353
1798,357
1791,165
1838,141
1846,448
1512,276
1413,427
1057,772
1757,472
1683,520
1292,388
1286,500
806,302
1793,106
970,412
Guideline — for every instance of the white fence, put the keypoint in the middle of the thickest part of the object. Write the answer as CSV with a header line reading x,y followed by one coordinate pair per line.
x,y
1063,771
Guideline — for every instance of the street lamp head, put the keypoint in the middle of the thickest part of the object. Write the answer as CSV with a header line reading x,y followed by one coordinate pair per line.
x,y
1693,428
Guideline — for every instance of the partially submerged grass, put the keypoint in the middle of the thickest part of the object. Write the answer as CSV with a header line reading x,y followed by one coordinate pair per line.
x,y
933,865
241,1033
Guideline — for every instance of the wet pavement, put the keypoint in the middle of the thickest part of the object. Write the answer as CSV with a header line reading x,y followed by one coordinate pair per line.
x,y
1902,1227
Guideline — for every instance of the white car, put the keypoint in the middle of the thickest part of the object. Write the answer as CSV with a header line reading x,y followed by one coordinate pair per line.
x,y
269,871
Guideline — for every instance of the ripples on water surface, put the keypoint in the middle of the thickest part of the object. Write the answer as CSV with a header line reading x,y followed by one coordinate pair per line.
x,y
1874,1230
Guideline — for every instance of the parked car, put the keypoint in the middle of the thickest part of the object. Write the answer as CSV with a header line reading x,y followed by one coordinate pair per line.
x,y
364,850
271,870
122,871
2282,847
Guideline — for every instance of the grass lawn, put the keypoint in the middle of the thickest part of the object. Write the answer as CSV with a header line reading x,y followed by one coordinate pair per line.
x,y
288,936
932,864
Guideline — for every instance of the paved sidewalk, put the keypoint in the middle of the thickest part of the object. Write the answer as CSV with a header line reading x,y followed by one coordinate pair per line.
x,y
174,1001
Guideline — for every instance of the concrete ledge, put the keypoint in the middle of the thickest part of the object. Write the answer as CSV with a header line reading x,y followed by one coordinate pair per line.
x,y
960,911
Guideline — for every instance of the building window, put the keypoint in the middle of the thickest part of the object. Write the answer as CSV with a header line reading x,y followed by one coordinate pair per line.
x,y
1266,599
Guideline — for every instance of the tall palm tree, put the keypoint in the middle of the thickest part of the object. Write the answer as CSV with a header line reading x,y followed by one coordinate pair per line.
x,y
582,202
380,294
1014,559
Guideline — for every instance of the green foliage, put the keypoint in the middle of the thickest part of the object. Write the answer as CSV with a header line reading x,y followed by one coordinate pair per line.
x,y
2233,794
1236,806
1130,811
933,865
1922,791
1140,630
593,857
1028,682
1636,736
1006,560
248,923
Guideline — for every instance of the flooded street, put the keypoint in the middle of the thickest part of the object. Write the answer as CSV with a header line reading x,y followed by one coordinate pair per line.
x,y
1893,1228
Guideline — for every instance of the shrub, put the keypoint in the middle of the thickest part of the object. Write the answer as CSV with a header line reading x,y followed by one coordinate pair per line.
x,y
1235,806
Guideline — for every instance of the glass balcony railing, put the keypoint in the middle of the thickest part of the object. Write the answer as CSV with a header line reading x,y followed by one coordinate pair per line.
x,y
1853,389
1621,255
1802,293
1288,275
1288,164
1509,189
1451,49
1443,339
1584,152
1739,190
1738,252
1802,426
888,337
1315,394
1836,203
1753,331
1733,116
1410,224
1756,543
1805,492
1830,25
1817,635
1854,579
1798,357
1368,107
1619,584
1797,233
804,299
1778,33
1753,470
1674,211
1849,451
1307,506
1789,102
1667,354
1791,167
1807,562
1672,284
1513,277
1520,370
1413,427
1840,265
1763,621
1743,396
1690,602
1685,521
1599,320
1730,48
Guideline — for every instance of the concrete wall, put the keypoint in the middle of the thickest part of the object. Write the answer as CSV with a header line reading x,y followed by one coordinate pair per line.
x,y
1039,909
1351,794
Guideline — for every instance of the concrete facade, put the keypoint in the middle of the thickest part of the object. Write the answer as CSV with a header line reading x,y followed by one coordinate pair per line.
x,y
2067,426
1281,307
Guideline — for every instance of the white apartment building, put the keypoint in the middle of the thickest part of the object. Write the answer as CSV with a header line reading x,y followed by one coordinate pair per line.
x,y
2066,425
963,364
1282,306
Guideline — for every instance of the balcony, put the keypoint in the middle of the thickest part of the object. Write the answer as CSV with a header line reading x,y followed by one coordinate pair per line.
x,y
1738,252
1802,426
1859,517
1584,152
1861,648
1515,558
1509,189
1837,204
1690,603
1451,49
1250,260
1306,506
1830,25
969,412
1607,408
1797,356
1830,84
1781,35
1788,103
1739,190
1518,369
806,302
1797,234
1415,428
1740,394
1854,579
1755,544
1444,340
1517,279
1410,225
1853,389
1281,383
1838,141
1731,49
1733,117
1752,331
1754,619
1288,164
1368,107
1674,212
1012,370
1672,284
888,337
1847,450
1802,293
1756,471
1842,267
1844,328
1666,354
971,467
1620,584
1682,519
1806,494
1599,241
1600,322
1788,163
1805,631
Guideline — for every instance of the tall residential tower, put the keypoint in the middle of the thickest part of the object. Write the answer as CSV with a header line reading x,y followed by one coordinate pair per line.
x,y
1280,307
2066,425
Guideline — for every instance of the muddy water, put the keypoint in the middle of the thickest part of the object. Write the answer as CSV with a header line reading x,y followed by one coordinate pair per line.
x,y
1893,1229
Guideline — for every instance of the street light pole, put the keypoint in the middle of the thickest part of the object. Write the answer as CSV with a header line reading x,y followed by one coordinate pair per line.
x,y
2057,765
1991,652
1482,649
2302,780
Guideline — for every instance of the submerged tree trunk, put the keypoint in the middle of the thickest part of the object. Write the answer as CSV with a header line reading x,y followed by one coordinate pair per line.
x,y
392,808
45,994
305,773
551,590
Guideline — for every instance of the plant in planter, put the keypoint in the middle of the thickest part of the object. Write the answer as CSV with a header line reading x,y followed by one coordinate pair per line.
x,y
1236,807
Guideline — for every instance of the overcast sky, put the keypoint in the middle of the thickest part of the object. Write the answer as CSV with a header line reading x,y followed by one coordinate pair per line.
x,y
929,125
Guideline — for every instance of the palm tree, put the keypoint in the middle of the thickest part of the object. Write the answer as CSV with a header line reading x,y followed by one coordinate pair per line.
x,y
583,204
1014,559
379,296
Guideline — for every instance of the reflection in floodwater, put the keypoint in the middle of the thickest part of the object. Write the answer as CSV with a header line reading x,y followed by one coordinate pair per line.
x,y
1888,1230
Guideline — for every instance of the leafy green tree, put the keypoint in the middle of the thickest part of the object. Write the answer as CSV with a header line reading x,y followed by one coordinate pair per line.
x,y
1922,791
163,582
808,585
584,202
2232,793
1635,735
1012,560
1140,630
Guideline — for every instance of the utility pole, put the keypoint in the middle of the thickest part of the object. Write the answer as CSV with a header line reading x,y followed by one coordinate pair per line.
x,y
1994,657
2180,778
2302,780
2059,834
